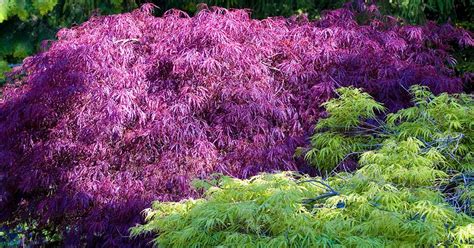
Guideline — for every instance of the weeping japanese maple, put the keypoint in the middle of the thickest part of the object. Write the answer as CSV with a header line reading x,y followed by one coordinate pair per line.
x,y
129,108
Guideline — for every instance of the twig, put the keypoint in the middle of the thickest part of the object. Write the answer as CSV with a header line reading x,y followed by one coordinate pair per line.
x,y
317,181
319,197
337,84
123,41
331,192
14,65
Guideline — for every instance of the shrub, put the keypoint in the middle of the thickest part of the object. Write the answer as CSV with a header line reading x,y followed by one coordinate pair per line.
x,y
392,201
277,210
128,108
443,122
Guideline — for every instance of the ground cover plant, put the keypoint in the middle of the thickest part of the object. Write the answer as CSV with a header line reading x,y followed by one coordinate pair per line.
x,y
130,108
394,200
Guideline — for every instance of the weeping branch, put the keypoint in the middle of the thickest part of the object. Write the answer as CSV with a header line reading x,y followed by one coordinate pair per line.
x,y
331,192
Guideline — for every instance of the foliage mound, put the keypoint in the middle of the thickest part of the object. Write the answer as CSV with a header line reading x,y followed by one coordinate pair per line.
x,y
24,24
354,126
128,108
392,201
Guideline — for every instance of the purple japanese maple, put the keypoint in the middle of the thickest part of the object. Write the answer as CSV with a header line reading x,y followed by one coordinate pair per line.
x,y
127,109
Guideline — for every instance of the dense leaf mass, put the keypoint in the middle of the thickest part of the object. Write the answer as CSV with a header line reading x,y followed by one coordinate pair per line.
x,y
128,108
277,210
352,127
391,201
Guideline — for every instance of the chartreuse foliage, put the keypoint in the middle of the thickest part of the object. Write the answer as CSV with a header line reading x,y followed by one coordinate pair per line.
x,y
23,9
392,201
443,123
3,68
343,133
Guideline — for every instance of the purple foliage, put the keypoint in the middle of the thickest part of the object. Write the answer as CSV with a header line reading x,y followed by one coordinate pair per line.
x,y
129,108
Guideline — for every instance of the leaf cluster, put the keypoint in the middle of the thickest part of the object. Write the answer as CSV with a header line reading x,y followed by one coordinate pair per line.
x,y
24,8
357,123
346,131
